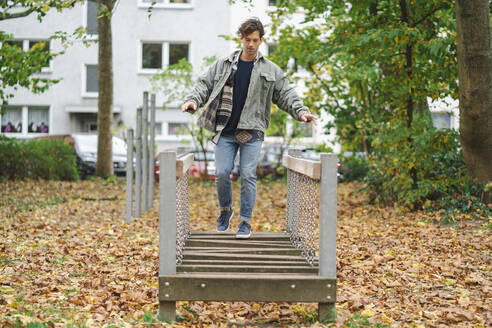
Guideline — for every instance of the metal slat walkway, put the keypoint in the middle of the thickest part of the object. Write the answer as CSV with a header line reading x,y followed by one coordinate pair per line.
x,y
266,267
264,252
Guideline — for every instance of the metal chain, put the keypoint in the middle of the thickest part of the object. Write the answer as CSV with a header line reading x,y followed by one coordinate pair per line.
x,y
182,216
288,217
302,211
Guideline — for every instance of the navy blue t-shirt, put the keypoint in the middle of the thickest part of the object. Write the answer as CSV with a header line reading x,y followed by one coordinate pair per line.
x,y
239,94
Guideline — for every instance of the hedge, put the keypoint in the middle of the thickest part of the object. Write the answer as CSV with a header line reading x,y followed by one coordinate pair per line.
x,y
48,159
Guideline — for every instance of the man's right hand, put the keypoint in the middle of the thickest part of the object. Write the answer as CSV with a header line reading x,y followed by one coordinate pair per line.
x,y
189,106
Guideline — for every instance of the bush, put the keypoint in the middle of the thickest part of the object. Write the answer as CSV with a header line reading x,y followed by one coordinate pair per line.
x,y
45,159
355,168
421,166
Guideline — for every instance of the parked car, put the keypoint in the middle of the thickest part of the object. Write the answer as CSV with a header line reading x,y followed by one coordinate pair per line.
x,y
85,146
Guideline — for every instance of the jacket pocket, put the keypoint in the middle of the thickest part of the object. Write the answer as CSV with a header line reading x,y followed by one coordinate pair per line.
x,y
267,78
267,81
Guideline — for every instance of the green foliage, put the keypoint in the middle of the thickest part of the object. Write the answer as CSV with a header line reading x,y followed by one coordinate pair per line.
x,y
174,82
373,66
355,168
370,62
45,159
440,179
18,67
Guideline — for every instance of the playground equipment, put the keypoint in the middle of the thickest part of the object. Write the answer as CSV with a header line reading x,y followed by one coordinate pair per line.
x,y
270,266
145,153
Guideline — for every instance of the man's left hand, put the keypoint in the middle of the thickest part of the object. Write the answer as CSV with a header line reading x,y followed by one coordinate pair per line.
x,y
309,117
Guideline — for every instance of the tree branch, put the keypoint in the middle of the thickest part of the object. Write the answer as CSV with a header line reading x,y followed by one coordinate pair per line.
x,y
326,86
430,13
5,15
397,54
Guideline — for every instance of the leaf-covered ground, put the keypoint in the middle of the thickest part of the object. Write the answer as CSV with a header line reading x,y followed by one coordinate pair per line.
x,y
67,258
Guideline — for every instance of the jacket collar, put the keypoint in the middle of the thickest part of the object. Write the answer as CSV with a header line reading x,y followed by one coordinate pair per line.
x,y
234,57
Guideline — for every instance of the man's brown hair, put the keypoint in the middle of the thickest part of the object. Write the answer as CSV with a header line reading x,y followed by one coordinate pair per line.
x,y
250,25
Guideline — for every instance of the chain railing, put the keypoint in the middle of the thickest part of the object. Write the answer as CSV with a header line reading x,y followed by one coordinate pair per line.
x,y
302,199
182,215
174,218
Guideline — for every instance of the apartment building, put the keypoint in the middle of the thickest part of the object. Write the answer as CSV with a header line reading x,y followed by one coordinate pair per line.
x,y
141,47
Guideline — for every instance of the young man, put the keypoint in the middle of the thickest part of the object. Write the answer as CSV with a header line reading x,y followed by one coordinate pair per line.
x,y
239,90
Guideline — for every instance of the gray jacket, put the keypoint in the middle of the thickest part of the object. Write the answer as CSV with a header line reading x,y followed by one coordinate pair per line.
x,y
268,83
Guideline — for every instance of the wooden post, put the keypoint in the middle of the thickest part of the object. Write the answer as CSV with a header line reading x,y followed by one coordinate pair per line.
x,y
145,146
167,227
129,175
138,174
328,230
150,193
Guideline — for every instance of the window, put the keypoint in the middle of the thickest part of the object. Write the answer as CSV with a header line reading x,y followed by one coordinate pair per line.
x,y
90,127
158,128
45,45
441,120
92,17
24,120
157,55
152,55
28,45
12,119
176,128
38,119
92,79
176,52
15,43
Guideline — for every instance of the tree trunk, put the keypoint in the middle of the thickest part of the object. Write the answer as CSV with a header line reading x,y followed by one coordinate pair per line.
x,y
475,88
105,100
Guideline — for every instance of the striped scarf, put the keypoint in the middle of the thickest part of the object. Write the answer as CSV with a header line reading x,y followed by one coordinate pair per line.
x,y
224,110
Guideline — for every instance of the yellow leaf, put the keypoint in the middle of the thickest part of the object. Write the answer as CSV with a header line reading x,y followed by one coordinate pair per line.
x,y
368,313
386,319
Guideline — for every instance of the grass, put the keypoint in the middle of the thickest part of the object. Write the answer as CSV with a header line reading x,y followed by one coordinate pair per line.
x,y
358,321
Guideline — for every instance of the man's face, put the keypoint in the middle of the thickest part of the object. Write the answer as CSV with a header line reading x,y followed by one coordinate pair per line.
x,y
251,43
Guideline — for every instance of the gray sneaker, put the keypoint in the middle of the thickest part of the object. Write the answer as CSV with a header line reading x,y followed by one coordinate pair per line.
x,y
223,220
244,231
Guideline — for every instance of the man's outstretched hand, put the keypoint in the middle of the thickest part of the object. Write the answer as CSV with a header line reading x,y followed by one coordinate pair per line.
x,y
189,105
309,117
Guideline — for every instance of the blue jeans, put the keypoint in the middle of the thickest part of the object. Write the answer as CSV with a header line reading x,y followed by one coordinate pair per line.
x,y
225,154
